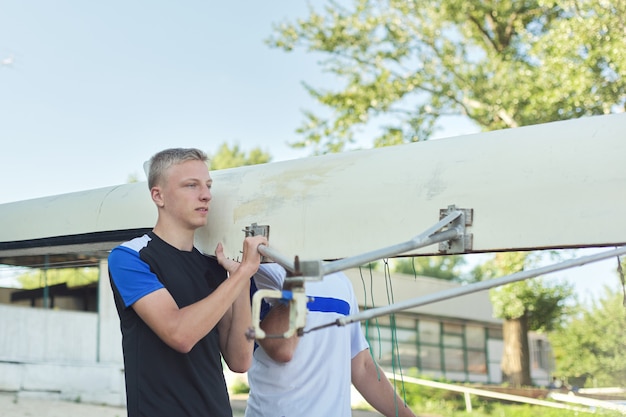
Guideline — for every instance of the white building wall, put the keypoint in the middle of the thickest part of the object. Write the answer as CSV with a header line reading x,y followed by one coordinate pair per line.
x,y
495,349
109,334
34,334
71,355
474,307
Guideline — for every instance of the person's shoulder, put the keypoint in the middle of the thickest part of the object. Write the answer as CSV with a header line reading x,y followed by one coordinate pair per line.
x,y
137,243
273,267
339,276
340,280
273,271
130,247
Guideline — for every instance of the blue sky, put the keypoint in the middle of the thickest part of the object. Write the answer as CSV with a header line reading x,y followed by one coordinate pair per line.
x,y
90,90
95,88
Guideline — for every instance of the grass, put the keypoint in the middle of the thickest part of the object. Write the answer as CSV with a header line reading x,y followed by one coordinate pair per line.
x,y
433,401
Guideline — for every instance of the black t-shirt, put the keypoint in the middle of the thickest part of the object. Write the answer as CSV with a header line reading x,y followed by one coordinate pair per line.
x,y
159,380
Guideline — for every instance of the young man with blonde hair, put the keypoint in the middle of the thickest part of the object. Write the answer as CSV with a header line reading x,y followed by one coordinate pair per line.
x,y
181,311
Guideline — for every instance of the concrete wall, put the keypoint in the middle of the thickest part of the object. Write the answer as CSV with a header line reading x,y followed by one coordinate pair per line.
x,y
90,383
33,334
72,355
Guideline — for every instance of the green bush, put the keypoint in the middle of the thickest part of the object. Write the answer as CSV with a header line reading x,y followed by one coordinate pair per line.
x,y
239,387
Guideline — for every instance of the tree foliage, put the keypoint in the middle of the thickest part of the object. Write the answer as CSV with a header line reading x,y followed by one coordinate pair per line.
x,y
542,303
443,267
532,304
232,157
405,64
590,348
73,277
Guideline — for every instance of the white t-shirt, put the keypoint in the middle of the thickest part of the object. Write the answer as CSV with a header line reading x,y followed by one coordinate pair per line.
x,y
316,382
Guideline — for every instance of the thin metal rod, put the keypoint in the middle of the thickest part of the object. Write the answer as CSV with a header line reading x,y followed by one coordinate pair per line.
x,y
426,238
390,251
277,257
472,288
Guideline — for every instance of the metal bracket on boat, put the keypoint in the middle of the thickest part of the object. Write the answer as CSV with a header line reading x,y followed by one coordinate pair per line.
x,y
450,231
464,242
258,230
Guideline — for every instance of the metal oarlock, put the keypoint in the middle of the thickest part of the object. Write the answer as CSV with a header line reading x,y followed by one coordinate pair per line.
x,y
450,229
297,300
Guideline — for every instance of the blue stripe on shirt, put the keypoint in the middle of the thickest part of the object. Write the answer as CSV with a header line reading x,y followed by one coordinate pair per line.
x,y
329,305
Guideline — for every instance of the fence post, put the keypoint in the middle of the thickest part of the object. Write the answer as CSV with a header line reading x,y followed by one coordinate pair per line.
x,y
468,402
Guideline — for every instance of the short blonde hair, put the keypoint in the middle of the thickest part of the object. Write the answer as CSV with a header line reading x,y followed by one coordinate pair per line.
x,y
159,163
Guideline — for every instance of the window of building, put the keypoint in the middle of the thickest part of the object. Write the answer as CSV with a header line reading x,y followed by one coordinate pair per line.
x,y
430,345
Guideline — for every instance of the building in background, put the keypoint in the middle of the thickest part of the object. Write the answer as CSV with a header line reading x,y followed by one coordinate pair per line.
x,y
457,339
70,351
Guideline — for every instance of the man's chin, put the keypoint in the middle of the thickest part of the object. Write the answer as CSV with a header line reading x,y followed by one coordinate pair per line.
x,y
201,224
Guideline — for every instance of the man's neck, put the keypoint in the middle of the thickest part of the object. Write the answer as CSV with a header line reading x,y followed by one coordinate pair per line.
x,y
178,238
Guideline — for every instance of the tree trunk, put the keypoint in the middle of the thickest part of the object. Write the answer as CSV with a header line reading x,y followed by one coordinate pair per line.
x,y
516,357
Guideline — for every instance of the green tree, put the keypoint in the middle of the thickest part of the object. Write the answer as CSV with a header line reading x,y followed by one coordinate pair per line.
x,y
402,65
232,157
132,178
532,304
73,277
590,348
444,267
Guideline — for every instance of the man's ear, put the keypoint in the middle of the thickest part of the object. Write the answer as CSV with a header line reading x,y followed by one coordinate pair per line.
x,y
155,192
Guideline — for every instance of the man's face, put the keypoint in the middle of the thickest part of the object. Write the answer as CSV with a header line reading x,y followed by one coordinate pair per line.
x,y
186,193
